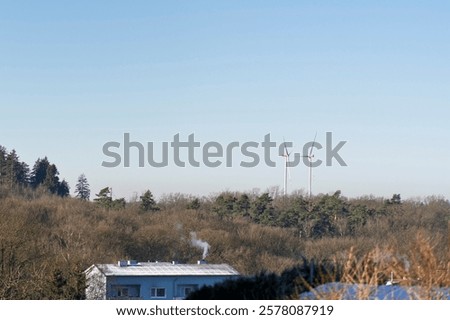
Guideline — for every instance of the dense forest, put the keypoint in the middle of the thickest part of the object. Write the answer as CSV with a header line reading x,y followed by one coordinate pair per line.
x,y
48,238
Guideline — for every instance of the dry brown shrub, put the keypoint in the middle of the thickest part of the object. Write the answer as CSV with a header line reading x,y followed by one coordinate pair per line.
x,y
421,268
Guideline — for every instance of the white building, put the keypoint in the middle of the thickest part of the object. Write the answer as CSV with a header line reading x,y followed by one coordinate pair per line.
x,y
152,280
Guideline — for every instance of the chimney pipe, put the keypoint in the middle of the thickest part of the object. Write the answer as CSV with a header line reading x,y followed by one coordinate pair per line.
x,y
122,263
132,262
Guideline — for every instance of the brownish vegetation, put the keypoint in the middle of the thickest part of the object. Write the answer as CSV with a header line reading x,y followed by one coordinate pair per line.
x,y
420,272
47,241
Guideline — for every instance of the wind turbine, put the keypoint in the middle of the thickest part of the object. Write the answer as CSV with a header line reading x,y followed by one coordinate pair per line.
x,y
310,157
287,172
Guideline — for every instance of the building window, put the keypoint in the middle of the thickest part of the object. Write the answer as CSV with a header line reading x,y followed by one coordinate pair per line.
x,y
158,292
126,291
187,291
122,292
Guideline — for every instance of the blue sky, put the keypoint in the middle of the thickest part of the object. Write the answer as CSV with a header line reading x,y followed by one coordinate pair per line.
x,y
77,74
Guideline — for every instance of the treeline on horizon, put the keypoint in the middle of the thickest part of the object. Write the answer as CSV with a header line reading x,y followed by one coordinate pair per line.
x,y
48,239
16,175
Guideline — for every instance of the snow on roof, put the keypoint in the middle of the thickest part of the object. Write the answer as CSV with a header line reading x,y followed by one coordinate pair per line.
x,y
166,269
383,292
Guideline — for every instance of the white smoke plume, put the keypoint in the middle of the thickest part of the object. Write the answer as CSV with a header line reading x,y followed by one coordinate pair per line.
x,y
200,244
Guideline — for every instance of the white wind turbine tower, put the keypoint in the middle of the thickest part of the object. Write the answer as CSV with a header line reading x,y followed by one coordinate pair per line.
x,y
287,172
310,157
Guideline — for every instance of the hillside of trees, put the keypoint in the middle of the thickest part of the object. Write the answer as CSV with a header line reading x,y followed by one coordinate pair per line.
x,y
47,238
15,175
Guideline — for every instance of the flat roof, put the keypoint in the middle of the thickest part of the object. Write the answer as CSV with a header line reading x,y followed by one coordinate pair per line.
x,y
166,269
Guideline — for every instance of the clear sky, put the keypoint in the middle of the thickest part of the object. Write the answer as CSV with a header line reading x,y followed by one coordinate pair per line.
x,y
77,74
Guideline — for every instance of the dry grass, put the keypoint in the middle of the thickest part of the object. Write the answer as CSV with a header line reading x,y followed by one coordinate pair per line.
x,y
422,269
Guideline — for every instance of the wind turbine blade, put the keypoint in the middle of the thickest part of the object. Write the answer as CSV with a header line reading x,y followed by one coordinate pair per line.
x,y
286,153
312,146
289,170
285,175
